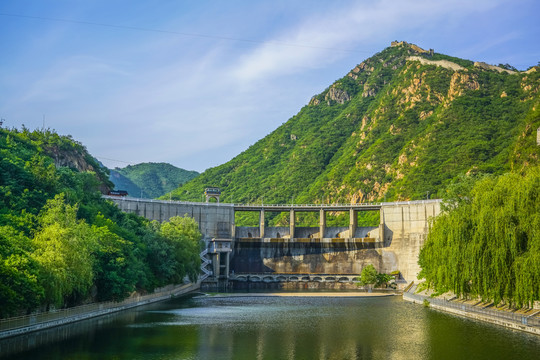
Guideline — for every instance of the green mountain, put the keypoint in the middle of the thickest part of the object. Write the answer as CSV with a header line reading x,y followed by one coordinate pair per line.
x,y
401,125
150,179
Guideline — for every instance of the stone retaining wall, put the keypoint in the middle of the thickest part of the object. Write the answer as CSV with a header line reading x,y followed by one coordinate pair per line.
x,y
33,323
528,324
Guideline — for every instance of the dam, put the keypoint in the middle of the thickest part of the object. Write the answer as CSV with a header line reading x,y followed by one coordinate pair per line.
x,y
299,253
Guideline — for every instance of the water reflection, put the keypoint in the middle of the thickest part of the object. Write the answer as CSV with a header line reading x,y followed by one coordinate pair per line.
x,y
61,333
286,328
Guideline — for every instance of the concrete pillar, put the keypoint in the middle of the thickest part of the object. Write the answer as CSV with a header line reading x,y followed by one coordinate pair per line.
x,y
381,225
322,223
353,222
147,211
227,258
232,223
291,223
156,212
261,223
215,265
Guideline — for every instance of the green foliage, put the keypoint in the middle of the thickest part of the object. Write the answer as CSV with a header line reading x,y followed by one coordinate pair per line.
x,y
152,179
368,276
383,279
369,218
116,266
62,252
63,150
462,62
487,243
60,242
160,257
183,234
407,132
18,273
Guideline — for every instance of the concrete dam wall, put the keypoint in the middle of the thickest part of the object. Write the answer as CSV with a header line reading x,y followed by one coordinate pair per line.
x,y
393,245
303,258
215,220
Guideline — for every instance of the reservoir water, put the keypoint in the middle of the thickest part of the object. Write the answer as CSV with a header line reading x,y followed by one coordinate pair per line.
x,y
238,327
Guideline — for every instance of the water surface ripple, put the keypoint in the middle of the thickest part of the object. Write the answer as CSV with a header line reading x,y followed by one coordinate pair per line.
x,y
285,328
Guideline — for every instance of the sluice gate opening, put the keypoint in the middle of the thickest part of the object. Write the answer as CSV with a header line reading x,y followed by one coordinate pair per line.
x,y
303,239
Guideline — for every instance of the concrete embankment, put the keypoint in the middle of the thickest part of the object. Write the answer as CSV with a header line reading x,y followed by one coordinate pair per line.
x,y
26,324
524,322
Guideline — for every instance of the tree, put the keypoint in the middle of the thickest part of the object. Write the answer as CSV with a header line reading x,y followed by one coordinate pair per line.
x,y
63,253
508,67
368,276
160,256
489,246
382,279
183,234
19,286
59,238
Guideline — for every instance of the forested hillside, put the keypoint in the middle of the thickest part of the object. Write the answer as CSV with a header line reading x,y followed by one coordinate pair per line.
x,y
402,125
62,244
150,180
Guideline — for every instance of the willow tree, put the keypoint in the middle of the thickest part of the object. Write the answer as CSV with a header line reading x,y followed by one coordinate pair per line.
x,y
487,241
63,252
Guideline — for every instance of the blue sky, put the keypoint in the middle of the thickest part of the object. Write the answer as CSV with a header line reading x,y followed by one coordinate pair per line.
x,y
195,83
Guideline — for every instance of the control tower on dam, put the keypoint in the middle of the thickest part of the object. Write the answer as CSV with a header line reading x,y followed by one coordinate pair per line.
x,y
241,253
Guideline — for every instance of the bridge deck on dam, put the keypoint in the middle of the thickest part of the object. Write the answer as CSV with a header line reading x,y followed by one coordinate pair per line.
x,y
256,207
307,207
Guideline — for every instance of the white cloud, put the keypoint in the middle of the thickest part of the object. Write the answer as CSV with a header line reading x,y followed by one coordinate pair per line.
x,y
322,39
197,103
